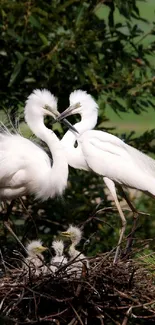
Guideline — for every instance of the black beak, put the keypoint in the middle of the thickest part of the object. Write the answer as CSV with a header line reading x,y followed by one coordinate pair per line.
x,y
68,124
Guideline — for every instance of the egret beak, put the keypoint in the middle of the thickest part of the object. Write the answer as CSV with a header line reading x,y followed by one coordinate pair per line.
x,y
68,124
48,111
42,249
65,234
55,114
68,111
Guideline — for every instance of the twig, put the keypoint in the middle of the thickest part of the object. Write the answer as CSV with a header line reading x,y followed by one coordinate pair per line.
x,y
126,318
115,322
76,313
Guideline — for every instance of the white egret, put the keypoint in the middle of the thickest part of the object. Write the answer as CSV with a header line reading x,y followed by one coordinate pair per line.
x,y
25,167
78,258
34,262
106,154
59,259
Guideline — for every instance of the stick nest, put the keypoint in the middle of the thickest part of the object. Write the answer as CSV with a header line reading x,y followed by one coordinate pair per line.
x,y
105,294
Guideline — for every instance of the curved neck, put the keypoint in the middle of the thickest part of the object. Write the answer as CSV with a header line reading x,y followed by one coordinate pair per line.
x,y
73,252
55,178
74,155
86,123
49,137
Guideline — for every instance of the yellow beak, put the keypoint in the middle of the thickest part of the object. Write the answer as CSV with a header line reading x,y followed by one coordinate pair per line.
x,y
65,234
42,249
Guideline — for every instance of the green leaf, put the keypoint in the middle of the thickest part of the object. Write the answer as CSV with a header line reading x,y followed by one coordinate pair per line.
x,y
16,71
44,39
34,22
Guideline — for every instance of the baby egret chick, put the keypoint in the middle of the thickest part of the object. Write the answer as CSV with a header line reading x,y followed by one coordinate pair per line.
x,y
79,259
59,259
34,262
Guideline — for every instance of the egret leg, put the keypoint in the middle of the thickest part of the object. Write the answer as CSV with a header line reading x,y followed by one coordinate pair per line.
x,y
8,210
135,216
131,206
111,186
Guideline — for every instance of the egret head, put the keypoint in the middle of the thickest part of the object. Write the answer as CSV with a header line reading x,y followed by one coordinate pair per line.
x,y
35,247
73,233
80,103
41,103
58,247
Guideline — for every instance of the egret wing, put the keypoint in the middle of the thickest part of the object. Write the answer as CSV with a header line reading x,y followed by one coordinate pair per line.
x,y
18,153
109,156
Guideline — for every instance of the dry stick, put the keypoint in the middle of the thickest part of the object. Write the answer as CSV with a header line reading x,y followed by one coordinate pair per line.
x,y
126,318
143,317
144,305
113,320
20,297
14,235
135,216
50,317
124,295
101,319
2,302
49,296
8,306
3,263
74,321
6,223
29,215
46,318
131,278
35,306
76,313
95,212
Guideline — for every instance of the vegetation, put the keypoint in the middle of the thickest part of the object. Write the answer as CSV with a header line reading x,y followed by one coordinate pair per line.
x,y
66,45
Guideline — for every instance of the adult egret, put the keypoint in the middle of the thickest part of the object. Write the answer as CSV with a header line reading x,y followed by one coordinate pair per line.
x,y
34,262
79,259
25,167
106,154
59,259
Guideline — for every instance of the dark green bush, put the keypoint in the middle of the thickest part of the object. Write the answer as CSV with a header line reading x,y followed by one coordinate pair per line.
x,y
66,45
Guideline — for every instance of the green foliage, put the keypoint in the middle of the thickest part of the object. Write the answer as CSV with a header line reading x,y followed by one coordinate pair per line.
x,y
65,45
147,259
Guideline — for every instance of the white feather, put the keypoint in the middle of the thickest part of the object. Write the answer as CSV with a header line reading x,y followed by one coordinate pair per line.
x,y
106,155
25,167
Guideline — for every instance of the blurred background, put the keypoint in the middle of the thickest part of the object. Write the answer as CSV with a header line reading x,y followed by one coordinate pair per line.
x,y
108,49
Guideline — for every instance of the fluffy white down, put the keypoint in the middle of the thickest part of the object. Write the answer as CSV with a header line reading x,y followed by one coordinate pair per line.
x,y
40,97
59,259
86,100
75,234
32,245
79,262
33,264
58,247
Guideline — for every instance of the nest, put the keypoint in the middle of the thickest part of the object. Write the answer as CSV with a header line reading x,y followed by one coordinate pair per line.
x,y
105,294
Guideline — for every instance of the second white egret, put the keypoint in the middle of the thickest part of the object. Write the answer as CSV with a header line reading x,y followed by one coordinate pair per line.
x,y
106,154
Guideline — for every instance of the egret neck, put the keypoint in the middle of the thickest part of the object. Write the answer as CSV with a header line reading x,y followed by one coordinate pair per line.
x,y
57,175
74,157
